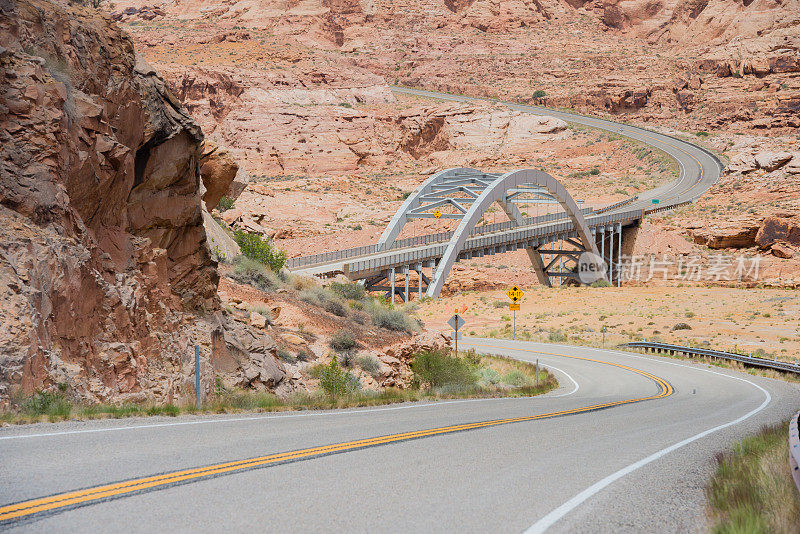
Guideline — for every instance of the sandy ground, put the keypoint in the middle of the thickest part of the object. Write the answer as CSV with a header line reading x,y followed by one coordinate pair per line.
x,y
724,318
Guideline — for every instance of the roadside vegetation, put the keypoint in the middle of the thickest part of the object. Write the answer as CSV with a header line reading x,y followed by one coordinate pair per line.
x,y
753,491
437,375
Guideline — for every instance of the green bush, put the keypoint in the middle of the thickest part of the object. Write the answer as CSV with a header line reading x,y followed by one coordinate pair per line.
x,y
349,291
251,272
595,171
500,304
260,249
601,283
225,204
539,93
437,369
390,319
343,340
47,403
335,381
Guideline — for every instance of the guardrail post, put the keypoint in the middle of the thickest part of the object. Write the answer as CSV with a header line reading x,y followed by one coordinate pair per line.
x,y
392,280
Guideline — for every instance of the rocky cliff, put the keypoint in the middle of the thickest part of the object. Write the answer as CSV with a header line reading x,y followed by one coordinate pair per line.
x,y
105,275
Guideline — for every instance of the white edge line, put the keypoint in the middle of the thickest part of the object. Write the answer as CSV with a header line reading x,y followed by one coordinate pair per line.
x,y
551,518
286,416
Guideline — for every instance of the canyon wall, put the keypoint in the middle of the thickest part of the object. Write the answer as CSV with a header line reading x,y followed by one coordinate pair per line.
x,y
104,269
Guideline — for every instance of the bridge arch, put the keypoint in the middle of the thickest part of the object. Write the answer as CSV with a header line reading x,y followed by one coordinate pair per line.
x,y
496,191
415,200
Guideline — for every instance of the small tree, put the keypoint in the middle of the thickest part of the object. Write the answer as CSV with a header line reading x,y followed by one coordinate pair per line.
x,y
539,93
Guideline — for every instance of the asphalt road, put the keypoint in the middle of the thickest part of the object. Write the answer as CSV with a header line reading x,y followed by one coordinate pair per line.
x,y
698,169
634,466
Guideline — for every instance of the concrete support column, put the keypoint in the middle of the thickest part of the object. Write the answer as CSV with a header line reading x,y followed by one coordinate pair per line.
x,y
419,273
611,258
603,242
391,279
619,251
406,272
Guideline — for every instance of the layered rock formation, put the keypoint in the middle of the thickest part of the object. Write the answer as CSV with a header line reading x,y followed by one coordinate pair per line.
x,y
104,270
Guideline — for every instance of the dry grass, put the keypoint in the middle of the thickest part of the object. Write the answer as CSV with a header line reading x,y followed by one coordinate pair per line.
x,y
753,491
58,408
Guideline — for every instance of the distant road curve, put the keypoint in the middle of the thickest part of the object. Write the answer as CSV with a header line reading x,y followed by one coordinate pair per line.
x,y
699,168
625,444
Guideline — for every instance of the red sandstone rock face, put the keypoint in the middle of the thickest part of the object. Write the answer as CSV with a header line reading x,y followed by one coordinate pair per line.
x,y
102,247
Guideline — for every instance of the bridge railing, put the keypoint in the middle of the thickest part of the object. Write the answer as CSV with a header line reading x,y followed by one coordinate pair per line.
x,y
427,239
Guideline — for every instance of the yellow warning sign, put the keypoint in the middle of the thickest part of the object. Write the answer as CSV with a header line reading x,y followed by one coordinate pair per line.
x,y
437,214
514,307
515,294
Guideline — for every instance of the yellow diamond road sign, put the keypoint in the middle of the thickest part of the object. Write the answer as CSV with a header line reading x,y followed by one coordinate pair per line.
x,y
515,294
437,214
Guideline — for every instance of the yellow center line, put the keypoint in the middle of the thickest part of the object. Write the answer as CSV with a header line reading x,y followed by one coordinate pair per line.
x,y
97,493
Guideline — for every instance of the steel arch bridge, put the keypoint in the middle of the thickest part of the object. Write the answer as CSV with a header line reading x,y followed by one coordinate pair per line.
x,y
554,242
471,193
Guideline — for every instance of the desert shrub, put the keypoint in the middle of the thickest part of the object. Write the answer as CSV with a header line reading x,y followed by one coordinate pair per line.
x,y
316,295
369,364
224,204
539,93
681,326
300,283
350,291
304,356
251,272
335,381
286,356
515,378
436,368
336,307
601,283
391,319
557,336
702,134
166,409
360,318
488,377
500,304
342,340
52,404
260,249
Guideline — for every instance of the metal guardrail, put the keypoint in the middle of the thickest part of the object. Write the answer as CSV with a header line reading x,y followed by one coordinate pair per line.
x,y
617,205
794,449
747,360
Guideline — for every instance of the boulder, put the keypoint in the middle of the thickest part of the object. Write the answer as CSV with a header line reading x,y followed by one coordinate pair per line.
x,y
775,229
771,161
781,250
257,320
218,170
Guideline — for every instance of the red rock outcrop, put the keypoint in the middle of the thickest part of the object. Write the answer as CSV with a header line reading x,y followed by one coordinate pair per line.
x,y
105,275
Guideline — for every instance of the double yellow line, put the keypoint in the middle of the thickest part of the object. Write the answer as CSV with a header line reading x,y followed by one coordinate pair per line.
x,y
63,501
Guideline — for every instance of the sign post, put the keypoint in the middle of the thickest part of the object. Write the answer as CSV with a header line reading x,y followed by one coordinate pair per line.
x,y
197,377
515,294
456,322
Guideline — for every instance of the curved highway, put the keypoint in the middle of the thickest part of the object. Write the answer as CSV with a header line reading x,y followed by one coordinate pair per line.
x,y
699,169
625,444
